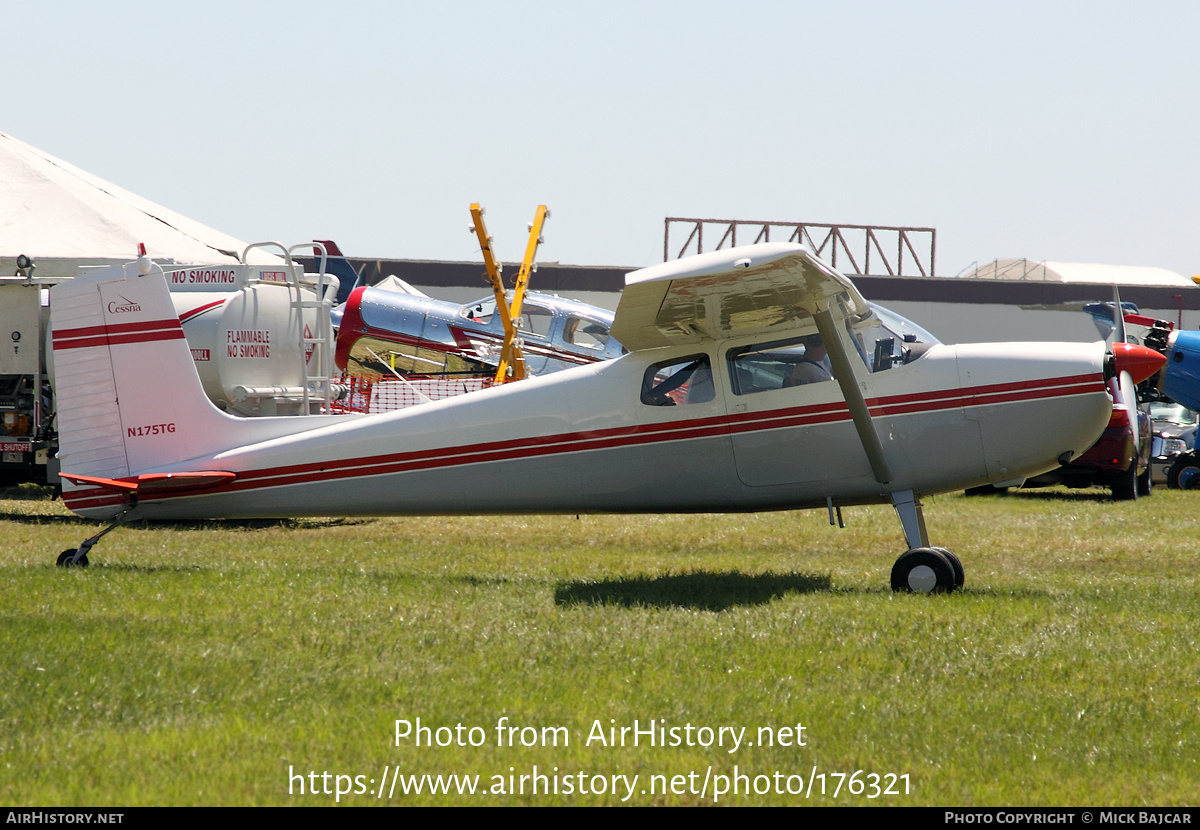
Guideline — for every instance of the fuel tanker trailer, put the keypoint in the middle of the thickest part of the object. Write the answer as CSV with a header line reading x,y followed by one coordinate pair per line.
x,y
259,335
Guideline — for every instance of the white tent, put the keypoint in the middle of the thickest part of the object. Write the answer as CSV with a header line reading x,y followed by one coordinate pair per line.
x,y
63,217
1087,272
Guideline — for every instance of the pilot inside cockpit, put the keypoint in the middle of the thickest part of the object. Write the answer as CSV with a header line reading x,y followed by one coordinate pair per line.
x,y
814,366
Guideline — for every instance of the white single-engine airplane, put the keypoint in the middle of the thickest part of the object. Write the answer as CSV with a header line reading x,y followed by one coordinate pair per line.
x,y
709,411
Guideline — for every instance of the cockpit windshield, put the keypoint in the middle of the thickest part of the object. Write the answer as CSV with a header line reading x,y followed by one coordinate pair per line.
x,y
885,339
1173,413
480,312
535,319
901,326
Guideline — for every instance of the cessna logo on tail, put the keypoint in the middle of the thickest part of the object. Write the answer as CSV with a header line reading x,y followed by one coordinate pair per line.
x,y
123,307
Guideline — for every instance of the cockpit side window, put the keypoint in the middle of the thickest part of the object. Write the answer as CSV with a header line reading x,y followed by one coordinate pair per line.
x,y
588,334
778,364
677,382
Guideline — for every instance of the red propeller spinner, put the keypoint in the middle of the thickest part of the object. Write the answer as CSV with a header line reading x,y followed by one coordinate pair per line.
x,y
1139,361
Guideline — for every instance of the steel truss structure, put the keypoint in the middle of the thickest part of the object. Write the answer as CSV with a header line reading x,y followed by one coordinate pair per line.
x,y
830,242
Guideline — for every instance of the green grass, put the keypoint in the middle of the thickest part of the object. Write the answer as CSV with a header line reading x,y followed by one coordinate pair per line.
x,y
197,664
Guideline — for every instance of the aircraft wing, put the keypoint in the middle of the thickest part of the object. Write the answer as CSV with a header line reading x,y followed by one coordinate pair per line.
x,y
769,288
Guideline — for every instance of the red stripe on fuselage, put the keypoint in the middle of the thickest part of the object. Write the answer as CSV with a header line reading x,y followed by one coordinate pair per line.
x,y
983,395
91,497
534,446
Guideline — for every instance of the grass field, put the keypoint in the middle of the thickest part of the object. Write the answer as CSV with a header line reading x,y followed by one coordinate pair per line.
x,y
221,663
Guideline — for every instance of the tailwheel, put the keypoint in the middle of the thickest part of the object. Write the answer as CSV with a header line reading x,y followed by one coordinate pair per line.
x,y
66,559
77,557
926,571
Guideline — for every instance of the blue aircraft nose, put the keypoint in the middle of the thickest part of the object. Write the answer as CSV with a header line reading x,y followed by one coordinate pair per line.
x,y
1182,381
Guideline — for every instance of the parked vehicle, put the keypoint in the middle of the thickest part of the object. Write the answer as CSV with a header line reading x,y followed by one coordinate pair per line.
x,y
1174,434
259,336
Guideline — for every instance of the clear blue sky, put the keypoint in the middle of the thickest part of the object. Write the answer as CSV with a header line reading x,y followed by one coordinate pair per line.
x,y
1047,130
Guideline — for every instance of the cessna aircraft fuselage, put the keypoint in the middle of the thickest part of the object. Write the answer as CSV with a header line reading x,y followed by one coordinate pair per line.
x,y
584,440
703,414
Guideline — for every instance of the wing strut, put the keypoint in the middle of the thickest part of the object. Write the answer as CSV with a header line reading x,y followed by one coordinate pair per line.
x,y
906,502
843,370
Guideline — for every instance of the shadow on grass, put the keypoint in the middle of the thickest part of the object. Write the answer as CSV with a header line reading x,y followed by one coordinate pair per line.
x,y
135,568
28,492
479,581
199,524
1052,493
37,519
246,524
1079,495
703,591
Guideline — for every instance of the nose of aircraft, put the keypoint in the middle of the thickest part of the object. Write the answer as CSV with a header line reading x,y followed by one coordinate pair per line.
x,y
1181,381
1139,361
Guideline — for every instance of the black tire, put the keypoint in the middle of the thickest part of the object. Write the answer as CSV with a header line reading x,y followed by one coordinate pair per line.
x,y
64,559
1145,485
955,563
1185,472
1124,486
923,571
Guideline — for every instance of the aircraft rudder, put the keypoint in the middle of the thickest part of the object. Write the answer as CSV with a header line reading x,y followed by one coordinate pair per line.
x,y
337,264
128,395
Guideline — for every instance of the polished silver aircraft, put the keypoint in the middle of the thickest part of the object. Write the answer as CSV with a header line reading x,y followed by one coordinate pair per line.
x,y
718,406
383,331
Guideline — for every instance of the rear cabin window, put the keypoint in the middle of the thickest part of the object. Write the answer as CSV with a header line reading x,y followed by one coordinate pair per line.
x,y
679,382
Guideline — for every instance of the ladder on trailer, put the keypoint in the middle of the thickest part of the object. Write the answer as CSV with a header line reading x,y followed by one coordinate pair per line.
x,y
512,359
316,347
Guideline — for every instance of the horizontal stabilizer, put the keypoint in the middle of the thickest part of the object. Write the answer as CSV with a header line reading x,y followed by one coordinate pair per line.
x,y
156,484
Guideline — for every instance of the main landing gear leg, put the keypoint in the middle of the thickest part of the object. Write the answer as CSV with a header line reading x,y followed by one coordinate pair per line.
x,y
77,557
922,569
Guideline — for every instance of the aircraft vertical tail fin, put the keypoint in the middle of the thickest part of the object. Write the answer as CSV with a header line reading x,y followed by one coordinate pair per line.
x,y
337,264
129,398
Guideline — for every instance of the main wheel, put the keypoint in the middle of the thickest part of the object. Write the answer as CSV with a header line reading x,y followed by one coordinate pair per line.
x,y
923,571
1185,472
64,559
1124,487
955,564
